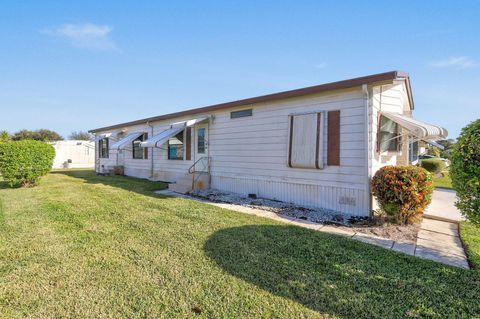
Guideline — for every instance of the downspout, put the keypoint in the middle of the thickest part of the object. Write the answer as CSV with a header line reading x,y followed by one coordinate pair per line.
x,y
151,155
368,171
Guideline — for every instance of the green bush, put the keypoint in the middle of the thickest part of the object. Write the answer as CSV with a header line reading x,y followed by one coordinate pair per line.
x,y
22,163
465,171
403,192
433,165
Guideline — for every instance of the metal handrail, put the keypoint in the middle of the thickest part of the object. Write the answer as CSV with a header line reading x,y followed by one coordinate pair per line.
x,y
191,169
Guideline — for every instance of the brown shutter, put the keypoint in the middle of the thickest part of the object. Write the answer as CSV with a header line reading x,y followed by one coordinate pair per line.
x,y
145,149
108,147
188,146
333,152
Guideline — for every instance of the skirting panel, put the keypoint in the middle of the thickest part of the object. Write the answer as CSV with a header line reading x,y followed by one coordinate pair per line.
x,y
345,200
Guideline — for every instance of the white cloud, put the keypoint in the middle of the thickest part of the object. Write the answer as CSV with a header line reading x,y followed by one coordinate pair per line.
x,y
86,36
463,62
321,65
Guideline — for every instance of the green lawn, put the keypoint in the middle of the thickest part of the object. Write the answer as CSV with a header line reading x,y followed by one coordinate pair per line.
x,y
81,246
471,239
443,182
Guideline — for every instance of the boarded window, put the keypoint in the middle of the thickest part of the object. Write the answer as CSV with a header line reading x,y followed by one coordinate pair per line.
x,y
103,148
242,113
176,147
138,151
388,137
333,149
305,141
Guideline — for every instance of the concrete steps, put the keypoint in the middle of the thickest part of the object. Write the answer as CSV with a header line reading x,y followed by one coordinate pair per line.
x,y
184,184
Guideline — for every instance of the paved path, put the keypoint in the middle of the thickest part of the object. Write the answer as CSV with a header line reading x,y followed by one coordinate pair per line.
x,y
442,206
437,240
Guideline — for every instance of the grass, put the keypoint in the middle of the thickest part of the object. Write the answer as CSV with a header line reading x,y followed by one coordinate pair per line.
x,y
82,246
471,239
444,181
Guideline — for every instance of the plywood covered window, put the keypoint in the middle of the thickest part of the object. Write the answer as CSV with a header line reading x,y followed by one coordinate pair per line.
x,y
103,148
305,140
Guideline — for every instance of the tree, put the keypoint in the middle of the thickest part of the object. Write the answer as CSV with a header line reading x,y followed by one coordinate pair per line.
x,y
5,136
434,151
448,145
80,135
43,135
465,171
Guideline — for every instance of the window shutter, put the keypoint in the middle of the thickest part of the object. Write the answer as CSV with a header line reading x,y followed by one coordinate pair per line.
x,y
108,147
188,146
333,151
145,149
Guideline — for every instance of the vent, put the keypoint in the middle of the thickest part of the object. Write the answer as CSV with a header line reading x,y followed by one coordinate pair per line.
x,y
242,113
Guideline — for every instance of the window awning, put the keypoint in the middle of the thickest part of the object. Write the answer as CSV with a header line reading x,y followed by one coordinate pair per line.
x,y
129,138
175,128
159,139
104,135
419,129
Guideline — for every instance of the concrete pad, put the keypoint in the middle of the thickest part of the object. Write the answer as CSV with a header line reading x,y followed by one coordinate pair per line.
x,y
440,227
337,231
441,239
442,205
378,241
405,248
444,247
444,258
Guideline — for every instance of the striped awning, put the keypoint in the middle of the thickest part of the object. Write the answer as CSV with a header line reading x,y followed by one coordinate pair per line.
x,y
421,130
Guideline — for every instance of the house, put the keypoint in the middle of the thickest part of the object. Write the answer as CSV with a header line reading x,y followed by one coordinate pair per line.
x,y
317,146
74,154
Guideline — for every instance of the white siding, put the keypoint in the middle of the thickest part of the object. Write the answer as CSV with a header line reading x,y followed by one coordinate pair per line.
x,y
249,155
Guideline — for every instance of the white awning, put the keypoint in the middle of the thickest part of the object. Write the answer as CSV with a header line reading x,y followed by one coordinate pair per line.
x,y
129,138
104,135
191,122
175,128
418,128
159,139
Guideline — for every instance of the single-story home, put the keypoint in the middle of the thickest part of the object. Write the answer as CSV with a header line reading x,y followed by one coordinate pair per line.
x,y
74,154
316,146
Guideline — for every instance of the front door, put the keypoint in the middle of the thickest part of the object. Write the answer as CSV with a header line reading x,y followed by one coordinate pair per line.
x,y
201,147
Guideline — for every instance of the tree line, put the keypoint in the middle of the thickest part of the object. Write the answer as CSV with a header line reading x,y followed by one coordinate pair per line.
x,y
43,135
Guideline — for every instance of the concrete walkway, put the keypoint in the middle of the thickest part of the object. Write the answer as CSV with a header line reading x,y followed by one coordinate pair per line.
x,y
437,240
442,206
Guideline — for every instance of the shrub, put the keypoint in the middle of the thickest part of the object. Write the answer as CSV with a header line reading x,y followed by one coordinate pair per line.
x,y
403,192
22,163
465,171
433,165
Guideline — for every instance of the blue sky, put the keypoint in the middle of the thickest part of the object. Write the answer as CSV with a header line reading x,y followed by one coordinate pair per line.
x,y
80,65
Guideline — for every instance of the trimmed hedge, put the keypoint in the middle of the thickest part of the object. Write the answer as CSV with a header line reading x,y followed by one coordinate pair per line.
x,y
465,171
403,192
433,165
22,163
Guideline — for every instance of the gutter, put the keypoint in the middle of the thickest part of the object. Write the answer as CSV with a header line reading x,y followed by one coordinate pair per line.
x,y
368,159
151,156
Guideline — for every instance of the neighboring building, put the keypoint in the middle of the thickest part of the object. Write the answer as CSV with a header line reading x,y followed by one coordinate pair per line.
x,y
317,146
74,154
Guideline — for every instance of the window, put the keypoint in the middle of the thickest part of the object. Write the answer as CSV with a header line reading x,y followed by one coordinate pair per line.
x,y
176,147
305,141
242,113
103,148
201,141
138,151
388,139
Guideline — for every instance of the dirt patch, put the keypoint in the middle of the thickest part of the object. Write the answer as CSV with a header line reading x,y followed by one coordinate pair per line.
x,y
372,226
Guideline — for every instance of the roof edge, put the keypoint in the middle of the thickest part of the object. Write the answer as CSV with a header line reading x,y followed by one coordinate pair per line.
x,y
338,85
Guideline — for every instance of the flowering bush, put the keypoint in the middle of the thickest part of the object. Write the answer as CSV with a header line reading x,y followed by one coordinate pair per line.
x,y
403,192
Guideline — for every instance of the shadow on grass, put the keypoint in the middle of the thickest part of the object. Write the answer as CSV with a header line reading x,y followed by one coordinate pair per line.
x,y
141,186
342,277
